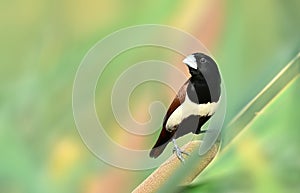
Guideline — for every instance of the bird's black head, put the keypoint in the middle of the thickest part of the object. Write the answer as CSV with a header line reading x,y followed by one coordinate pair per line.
x,y
202,66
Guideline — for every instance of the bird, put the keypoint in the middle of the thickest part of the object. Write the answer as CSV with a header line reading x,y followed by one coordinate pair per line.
x,y
196,101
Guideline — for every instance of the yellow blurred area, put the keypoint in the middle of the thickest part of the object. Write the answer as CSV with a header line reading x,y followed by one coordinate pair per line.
x,y
64,156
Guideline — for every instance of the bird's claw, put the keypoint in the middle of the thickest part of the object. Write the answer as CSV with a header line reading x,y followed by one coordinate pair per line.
x,y
180,153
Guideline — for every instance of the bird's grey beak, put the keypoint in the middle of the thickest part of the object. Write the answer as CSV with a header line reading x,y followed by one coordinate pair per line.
x,y
190,61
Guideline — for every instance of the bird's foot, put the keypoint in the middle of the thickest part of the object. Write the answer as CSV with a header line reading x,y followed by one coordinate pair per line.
x,y
179,152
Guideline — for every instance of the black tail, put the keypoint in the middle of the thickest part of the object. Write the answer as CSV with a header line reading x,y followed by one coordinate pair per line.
x,y
161,143
156,151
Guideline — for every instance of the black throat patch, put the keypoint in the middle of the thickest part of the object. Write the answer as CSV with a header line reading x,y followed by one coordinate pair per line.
x,y
199,92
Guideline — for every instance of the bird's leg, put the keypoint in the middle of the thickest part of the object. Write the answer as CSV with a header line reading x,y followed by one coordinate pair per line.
x,y
178,151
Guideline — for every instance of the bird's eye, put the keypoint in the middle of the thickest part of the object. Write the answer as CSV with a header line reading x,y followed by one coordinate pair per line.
x,y
202,60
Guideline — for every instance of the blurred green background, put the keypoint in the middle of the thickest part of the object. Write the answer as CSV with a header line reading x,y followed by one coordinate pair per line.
x,y
43,43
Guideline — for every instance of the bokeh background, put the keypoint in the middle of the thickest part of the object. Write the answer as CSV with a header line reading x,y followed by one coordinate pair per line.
x,y
43,42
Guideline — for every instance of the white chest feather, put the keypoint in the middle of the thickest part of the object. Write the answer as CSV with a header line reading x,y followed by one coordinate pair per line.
x,y
188,108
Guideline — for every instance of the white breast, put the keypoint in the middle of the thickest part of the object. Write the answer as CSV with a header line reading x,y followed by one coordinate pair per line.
x,y
188,108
